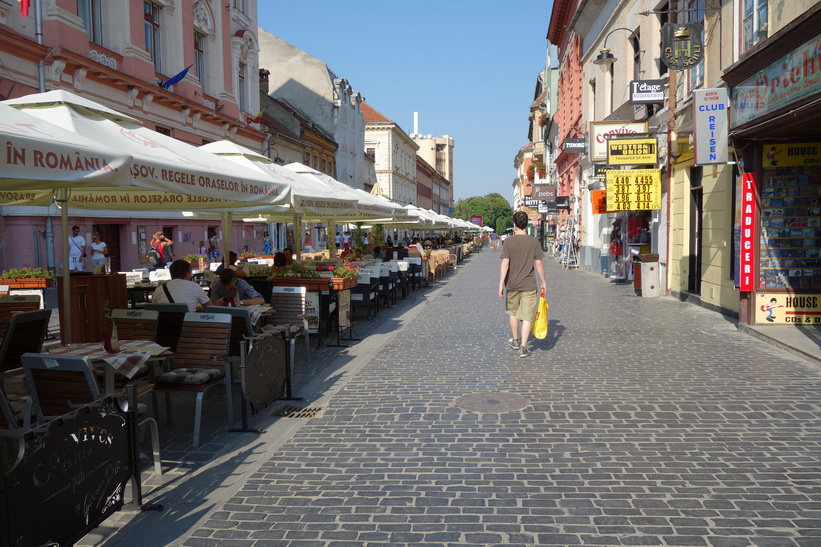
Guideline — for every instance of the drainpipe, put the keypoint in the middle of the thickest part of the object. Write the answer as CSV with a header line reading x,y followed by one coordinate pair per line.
x,y
38,32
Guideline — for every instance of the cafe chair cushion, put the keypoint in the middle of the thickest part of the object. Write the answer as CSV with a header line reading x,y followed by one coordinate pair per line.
x,y
192,376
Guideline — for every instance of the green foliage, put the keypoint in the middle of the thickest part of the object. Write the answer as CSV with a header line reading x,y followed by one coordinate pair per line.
x,y
26,273
359,236
494,209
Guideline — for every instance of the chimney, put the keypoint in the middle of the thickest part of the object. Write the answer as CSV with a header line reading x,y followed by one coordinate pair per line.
x,y
263,79
416,123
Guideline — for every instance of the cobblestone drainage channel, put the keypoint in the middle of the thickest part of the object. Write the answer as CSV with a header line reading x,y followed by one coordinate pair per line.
x,y
297,412
493,402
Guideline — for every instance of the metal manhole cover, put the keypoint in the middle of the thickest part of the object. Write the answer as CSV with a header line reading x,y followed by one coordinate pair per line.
x,y
297,412
494,402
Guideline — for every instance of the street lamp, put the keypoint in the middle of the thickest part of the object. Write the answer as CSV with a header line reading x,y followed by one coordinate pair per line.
x,y
604,57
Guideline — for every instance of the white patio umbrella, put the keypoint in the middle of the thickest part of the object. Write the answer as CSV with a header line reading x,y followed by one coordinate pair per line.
x,y
40,155
164,173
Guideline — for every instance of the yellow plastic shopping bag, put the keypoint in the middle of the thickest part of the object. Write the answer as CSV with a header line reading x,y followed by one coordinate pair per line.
x,y
540,323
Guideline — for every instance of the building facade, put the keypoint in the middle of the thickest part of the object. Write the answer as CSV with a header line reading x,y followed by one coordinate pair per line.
x,y
120,53
394,155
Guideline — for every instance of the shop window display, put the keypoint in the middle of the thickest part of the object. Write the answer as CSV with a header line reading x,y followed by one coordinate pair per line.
x,y
790,247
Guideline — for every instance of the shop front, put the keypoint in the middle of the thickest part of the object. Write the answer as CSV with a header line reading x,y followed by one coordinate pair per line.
x,y
776,133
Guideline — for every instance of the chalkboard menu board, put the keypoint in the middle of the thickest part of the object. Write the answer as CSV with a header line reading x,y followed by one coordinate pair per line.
x,y
265,370
70,477
790,249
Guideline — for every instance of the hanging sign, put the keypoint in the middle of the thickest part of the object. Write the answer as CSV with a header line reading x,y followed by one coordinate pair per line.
x,y
621,151
710,126
599,200
544,192
575,146
747,263
563,202
601,132
634,189
681,45
647,92
477,220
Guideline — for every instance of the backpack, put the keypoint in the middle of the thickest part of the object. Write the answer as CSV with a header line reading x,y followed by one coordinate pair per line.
x,y
154,256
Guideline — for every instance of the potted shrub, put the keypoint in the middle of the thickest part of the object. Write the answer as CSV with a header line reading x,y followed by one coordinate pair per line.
x,y
298,275
26,278
342,277
248,254
196,261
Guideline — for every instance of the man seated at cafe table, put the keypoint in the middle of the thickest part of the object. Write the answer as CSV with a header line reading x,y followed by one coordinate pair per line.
x,y
181,289
232,260
229,289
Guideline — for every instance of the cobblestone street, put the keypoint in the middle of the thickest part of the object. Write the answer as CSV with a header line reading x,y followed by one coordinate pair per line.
x,y
638,421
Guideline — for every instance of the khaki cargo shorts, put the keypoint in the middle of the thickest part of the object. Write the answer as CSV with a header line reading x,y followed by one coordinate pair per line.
x,y
522,304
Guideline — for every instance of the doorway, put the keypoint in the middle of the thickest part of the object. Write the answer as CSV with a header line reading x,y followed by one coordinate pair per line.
x,y
696,198
110,235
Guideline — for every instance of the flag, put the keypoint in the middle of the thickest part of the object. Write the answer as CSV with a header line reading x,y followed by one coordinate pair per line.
x,y
174,79
257,118
24,7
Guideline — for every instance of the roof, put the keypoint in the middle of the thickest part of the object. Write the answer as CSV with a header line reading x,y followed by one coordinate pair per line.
x,y
371,115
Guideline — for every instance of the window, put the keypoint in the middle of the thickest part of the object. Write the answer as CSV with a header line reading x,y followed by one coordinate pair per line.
x,y
371,153
199,58
242,87
151,13
695,14
240,5
163,130
754,23
635,42
91,14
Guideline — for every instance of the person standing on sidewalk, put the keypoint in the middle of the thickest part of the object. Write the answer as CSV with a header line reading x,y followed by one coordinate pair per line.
x,y
521,257
76,250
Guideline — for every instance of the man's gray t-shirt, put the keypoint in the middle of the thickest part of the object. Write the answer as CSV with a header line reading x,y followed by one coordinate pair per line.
x,y
522,250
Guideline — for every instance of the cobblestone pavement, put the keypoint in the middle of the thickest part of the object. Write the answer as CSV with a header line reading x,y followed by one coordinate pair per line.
x,y
636,422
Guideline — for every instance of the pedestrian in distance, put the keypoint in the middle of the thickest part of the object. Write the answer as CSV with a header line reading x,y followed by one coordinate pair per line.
x,y
76,250
98,250
521,260
163,246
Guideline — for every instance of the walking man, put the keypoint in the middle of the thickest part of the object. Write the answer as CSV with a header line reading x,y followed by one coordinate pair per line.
x,y
521,256
76,250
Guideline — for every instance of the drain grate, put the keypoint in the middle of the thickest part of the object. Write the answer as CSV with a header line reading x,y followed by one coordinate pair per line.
x,y
494,402
297,412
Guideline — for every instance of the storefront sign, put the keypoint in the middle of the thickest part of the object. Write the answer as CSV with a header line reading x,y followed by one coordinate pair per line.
x,y
647,92
634,189
747,263
796,154
621,151
544,192
601,132
575,146
533,215
710,126
681,45
788,309
563,202
599,200
477,220
601,170
552,208
792,77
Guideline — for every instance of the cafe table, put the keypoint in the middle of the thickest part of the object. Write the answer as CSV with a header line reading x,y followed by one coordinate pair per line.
x,y
128,361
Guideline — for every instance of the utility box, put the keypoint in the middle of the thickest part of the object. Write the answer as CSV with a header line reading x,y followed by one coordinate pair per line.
x,y
650,276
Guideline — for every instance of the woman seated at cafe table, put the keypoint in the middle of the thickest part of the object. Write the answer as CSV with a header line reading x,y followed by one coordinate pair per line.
x,y
229,290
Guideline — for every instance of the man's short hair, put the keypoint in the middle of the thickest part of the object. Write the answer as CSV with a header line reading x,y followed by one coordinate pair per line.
x,y
226,276
75,227
520,220
179,269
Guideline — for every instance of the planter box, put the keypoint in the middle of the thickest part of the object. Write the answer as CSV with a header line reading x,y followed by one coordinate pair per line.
x,y
320,285
342,283
26,283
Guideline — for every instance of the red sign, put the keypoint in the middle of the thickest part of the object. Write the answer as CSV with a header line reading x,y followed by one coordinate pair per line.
x,y
477,220
747,257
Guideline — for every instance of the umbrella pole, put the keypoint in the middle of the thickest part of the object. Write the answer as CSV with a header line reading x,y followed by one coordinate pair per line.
x,y
226,230
298,235
331,235
66,270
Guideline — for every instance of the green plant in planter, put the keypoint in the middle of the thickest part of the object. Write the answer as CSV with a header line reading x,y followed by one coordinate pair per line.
x,y
26,273
347,271
296,270
191,257
248,254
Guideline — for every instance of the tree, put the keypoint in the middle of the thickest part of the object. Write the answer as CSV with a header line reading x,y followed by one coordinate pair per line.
x,y
494,209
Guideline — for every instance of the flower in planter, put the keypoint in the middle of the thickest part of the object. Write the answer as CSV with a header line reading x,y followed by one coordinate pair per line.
x,y
347,271
26,273
191,257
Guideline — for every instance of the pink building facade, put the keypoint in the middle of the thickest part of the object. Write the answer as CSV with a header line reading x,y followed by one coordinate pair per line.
x,y
119,53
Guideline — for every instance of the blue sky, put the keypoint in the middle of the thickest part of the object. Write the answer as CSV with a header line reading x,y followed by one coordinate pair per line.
x,y
468,67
